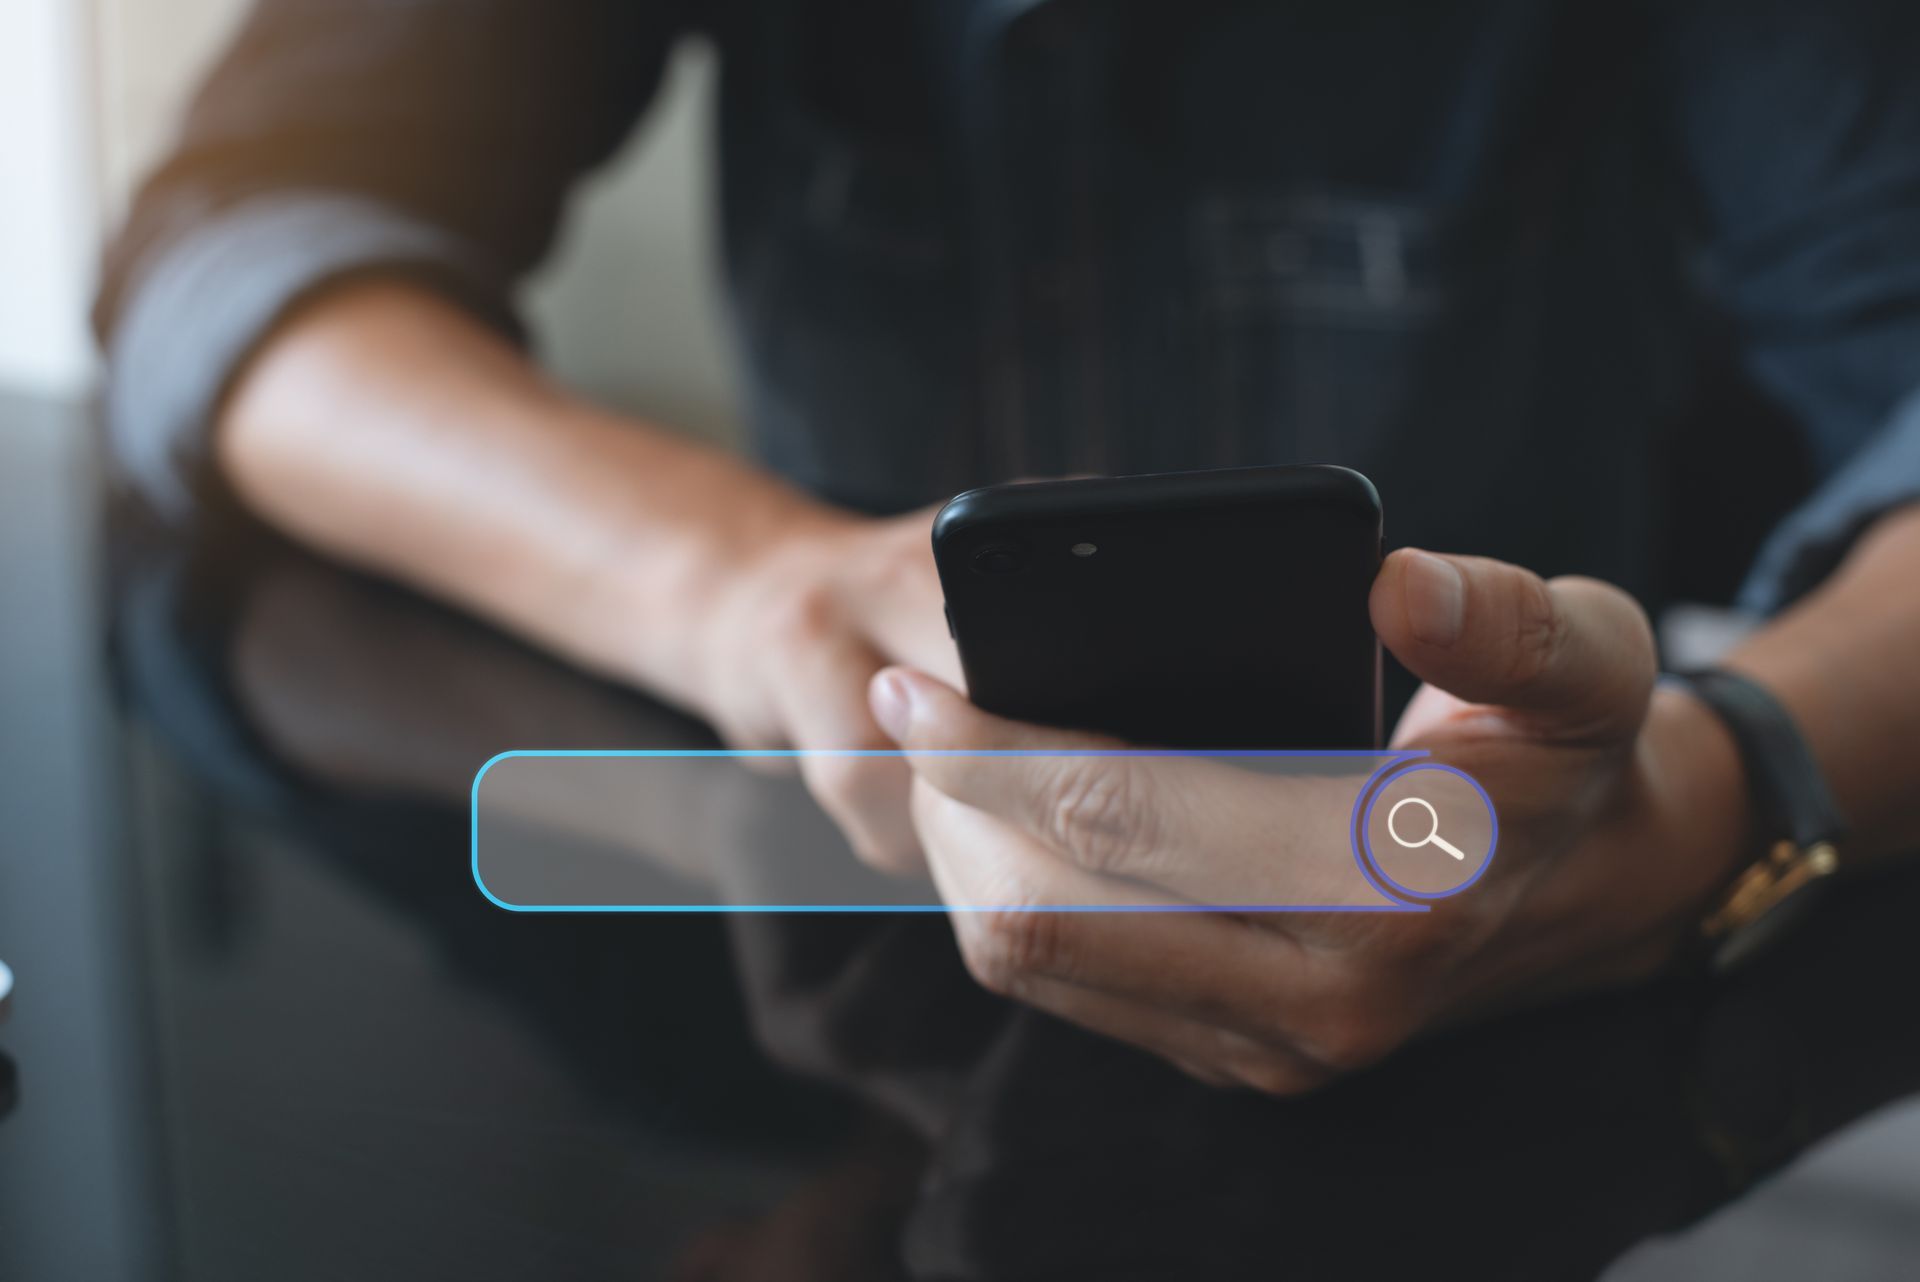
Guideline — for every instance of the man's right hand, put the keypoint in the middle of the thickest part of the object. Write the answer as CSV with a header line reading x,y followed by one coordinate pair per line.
x,y
791,642
390,429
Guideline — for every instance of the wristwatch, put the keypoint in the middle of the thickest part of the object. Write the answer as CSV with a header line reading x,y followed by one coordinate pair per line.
x,y
1793,808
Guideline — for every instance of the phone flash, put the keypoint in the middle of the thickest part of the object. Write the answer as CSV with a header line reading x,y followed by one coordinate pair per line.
x,y
1084,549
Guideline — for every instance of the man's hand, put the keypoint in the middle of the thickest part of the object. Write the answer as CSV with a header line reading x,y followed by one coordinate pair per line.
x,y
384,426
791,643
1620,813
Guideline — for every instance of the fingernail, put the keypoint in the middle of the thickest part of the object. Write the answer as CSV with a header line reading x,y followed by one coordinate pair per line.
x,y
892,699
1436,599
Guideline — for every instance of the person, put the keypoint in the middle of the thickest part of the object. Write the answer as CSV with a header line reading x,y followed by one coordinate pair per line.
x,y
1488,255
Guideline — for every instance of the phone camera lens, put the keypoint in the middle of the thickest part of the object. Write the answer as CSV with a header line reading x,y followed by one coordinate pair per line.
x,y
999,558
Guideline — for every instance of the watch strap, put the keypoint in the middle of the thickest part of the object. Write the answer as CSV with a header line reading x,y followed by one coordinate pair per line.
x,y
1798,818
1790,795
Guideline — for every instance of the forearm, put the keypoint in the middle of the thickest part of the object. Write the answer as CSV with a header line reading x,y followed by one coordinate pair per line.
x,y
387,428
1843,662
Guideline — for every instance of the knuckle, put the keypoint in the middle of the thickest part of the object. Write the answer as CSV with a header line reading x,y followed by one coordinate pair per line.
x,y
847,780
747,726
809,613
1007,946
1354,1042
1635,646
1539,631
907,569
1355,1033
1092,816
984,962
868,797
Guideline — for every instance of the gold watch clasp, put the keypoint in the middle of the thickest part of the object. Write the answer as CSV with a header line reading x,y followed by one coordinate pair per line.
x,y
1757,891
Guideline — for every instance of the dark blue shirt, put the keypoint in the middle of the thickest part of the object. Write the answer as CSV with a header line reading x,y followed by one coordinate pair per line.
x,y
1589,286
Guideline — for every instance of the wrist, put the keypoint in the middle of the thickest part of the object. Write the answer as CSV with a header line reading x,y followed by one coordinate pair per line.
x,y
1796,816
1702,801
710,536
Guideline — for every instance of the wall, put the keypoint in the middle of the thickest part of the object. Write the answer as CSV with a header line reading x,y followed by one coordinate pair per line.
x,y
47,223
626,311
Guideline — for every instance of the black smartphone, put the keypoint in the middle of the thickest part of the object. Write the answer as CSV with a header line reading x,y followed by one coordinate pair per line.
x,y
1220,609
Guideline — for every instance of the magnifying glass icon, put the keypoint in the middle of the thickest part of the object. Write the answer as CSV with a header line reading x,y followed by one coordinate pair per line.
x,y
1433,837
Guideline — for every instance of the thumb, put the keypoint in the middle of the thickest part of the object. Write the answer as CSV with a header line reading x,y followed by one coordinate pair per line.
x,y
961,752
1575,656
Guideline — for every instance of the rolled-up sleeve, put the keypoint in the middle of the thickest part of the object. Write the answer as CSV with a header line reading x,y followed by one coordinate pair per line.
x,y
1798,132
434,140
1806,547
202,306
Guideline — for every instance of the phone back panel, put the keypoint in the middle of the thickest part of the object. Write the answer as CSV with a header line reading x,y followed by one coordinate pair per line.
x,y
1219,609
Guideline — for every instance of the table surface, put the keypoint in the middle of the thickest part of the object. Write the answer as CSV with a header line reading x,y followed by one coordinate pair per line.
x,y
265,1026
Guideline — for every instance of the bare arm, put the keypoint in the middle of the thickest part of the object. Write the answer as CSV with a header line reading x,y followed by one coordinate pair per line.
x,y
390,429
1842,660
387,428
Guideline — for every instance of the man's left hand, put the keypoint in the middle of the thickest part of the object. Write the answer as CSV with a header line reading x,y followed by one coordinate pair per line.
x,y
1621,811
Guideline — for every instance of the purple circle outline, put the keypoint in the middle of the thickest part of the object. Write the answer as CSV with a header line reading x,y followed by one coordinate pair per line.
x,y
1374,866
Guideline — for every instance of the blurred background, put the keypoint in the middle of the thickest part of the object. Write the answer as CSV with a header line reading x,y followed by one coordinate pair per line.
x,y
90,91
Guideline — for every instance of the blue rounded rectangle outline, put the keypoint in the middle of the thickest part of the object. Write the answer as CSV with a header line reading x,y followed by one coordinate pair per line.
x,y
1388,760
